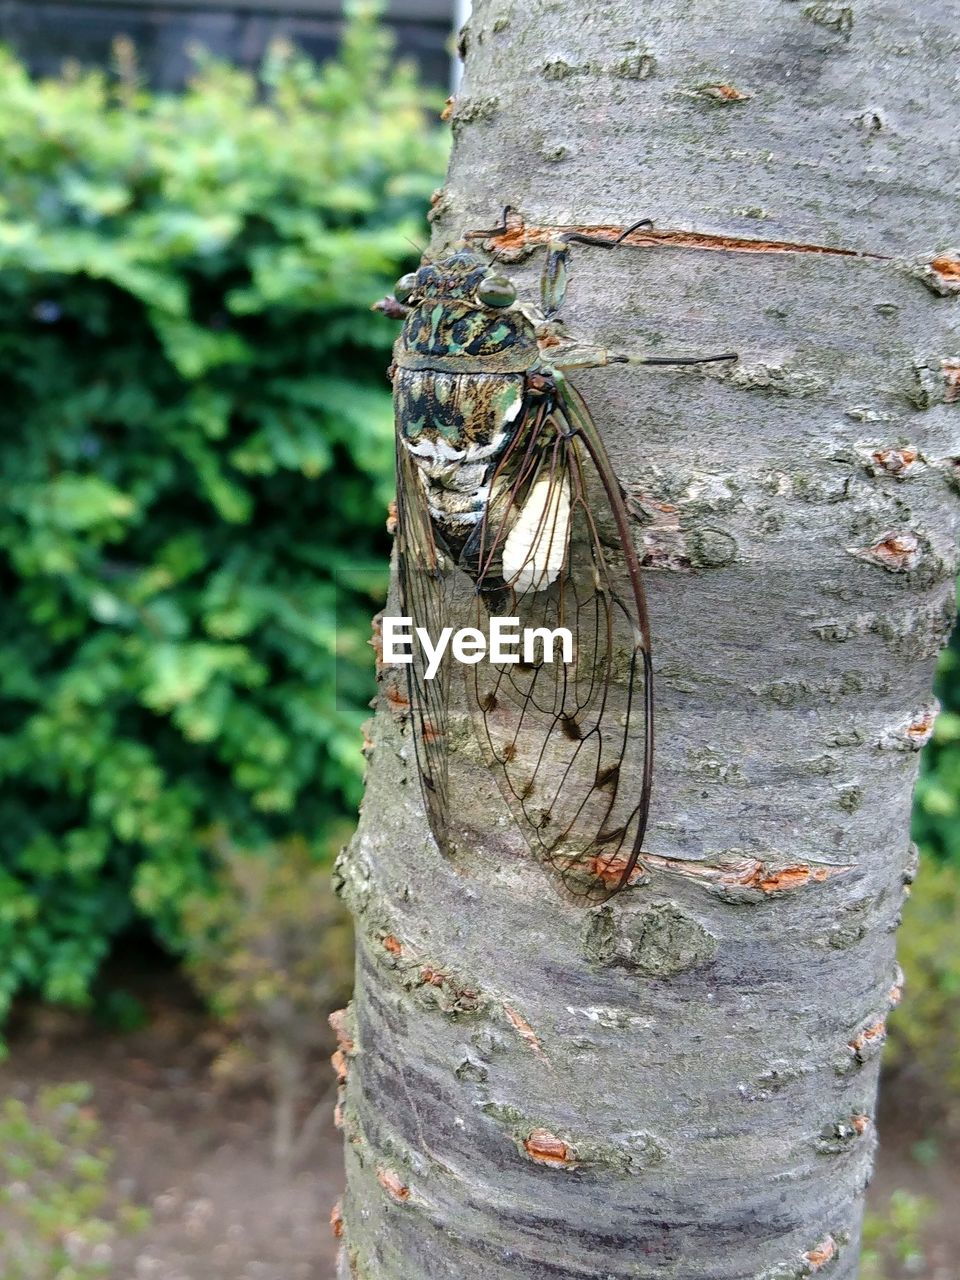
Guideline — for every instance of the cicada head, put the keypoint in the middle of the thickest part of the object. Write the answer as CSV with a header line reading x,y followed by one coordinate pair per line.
x,y
463,276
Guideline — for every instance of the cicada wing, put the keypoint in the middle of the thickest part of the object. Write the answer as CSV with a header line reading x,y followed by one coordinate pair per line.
x,y
571,742
423,572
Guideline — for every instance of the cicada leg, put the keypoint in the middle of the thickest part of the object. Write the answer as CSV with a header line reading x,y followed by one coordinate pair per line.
x,y
391,308
599,358
553,288
553,281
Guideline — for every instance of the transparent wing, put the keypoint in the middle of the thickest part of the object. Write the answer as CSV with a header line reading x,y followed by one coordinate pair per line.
x,y
422,572
571,742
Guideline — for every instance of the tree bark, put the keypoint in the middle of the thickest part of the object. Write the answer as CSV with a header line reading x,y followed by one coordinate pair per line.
x,y
681,1082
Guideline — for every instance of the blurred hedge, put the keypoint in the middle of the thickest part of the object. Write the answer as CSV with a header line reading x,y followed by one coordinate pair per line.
x,y
195,457
936,818
924,1052
925,1030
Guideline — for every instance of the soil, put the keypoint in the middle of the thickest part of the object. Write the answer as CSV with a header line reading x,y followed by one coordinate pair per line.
x,y
198,1153
920,1153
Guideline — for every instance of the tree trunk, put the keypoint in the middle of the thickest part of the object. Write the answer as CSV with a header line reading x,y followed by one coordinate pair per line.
x,y
681,1082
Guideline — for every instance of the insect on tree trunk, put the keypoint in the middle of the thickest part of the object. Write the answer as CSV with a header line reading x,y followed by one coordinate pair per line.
x,y
680,1082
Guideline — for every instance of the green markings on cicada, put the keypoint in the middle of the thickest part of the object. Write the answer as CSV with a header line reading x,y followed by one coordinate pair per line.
x,y
455,329
436,319
412,427
464,410
507,400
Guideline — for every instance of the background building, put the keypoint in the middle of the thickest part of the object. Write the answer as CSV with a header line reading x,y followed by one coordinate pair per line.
x,y
46,32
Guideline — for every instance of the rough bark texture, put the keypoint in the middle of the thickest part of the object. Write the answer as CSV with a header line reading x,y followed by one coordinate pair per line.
x,y
681,1083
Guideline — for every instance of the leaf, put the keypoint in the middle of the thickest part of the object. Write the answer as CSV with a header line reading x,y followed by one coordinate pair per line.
x,y
79,502
195,439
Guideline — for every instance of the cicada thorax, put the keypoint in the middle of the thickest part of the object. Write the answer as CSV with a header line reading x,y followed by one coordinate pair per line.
x,y
451,331
460,391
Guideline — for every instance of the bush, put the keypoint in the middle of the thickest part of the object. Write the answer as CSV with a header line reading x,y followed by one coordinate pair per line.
x,y
270,950
924,1048
936,818
195,451
893,1238
925,1030
59,1214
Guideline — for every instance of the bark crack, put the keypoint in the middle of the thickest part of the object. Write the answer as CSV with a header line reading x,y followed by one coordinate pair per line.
x,y
516,237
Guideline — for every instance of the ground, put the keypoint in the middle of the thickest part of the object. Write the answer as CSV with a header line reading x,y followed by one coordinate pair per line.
x,y
198,1153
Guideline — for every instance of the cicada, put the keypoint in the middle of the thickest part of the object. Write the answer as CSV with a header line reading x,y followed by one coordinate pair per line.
x,y
504,483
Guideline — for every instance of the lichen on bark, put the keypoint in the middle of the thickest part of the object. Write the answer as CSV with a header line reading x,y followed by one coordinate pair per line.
x,y
681,1083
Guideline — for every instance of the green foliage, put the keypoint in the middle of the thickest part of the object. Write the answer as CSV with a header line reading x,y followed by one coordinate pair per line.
x,y
925,1030
925,1033
59,1216
270,949
893,1238
195,458
936,814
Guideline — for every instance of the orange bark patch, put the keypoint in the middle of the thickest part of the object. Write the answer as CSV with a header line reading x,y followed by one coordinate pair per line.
x,y
516,235
376,641
898,552
391,1183
789,878
750,873
338,1061
397,699
392,944
610,869
544,1147
339,1022
920,729
895,461
392,518
946,268
951,376
524,1030
872,1034
432,977
860,1122
724,93
336,1220
821,1254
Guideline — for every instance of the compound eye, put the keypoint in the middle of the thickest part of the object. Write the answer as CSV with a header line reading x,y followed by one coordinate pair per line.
x,y
405,286
496,291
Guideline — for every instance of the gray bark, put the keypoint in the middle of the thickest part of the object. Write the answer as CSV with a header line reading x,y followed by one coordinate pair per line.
x,y
681,1083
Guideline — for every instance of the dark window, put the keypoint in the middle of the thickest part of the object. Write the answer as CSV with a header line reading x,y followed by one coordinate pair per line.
x,y
46,32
